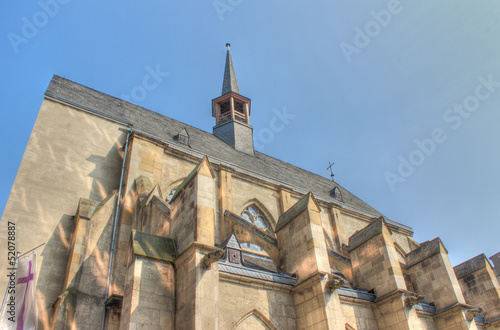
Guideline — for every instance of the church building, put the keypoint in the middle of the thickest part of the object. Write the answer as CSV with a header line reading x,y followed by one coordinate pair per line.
x,y
150,223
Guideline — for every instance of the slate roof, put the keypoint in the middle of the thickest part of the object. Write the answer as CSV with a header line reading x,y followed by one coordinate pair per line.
x,y
356,293
258,274
230,84
203,143
426,307
231,242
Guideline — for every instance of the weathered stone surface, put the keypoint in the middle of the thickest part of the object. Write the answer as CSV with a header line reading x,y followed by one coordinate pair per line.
x,y
65,194
152,246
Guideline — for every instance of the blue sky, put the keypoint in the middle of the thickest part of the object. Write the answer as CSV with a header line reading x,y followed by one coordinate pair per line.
x,y
402,95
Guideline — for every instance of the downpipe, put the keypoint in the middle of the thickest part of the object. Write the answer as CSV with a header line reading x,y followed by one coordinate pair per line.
x,y
115,224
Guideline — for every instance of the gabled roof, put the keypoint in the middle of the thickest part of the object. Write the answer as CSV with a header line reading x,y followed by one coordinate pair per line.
x,y
203,143
230,242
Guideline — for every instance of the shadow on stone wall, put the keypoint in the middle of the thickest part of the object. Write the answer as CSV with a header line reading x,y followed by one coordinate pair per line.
x,y
53,270
106,175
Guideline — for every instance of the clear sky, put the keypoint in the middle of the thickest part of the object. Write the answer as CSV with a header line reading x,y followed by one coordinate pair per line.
x,y
402,95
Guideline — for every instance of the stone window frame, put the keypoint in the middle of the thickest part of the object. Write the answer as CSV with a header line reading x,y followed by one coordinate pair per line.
x,y
268,220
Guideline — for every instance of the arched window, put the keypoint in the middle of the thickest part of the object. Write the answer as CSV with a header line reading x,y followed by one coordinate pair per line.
x,y
255,216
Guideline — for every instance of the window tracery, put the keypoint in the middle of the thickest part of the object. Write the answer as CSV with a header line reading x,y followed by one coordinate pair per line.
x,y
255,216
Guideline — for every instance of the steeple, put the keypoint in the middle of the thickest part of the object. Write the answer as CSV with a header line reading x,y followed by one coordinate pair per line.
x,y
230,84
232,112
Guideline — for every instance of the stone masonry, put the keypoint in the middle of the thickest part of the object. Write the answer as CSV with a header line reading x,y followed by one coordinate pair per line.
x,y
186,230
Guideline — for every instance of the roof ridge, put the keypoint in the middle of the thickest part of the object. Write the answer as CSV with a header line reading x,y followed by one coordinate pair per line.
x,y
202,142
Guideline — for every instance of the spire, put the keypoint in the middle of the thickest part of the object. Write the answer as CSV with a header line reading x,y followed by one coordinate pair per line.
x,y
230,83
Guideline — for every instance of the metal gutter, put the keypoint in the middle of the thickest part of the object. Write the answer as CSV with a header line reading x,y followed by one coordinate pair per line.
x,y
115,224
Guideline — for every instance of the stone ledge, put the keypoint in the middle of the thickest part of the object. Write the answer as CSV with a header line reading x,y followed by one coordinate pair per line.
x,y
494,321
247,281
356,294
154,247
425,308
339,257
452,307
257,274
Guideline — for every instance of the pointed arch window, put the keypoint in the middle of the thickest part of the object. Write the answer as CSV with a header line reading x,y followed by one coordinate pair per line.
x,y
255,216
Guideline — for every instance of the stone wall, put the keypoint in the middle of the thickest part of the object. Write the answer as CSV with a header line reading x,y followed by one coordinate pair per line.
x,y
241,300
149,300
359,315
245,192
78,157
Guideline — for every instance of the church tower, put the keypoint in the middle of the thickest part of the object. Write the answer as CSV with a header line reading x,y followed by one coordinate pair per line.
x,y
232,112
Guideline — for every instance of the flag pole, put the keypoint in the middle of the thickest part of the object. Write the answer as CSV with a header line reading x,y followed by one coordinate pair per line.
x,y
25,253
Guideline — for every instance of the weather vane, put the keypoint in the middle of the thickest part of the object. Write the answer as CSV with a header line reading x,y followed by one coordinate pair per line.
x,y
331,171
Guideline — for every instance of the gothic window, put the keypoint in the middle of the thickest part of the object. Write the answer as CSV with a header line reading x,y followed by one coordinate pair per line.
x,y
255,216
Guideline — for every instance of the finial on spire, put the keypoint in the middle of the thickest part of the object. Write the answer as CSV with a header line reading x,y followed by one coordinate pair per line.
x,y
230,84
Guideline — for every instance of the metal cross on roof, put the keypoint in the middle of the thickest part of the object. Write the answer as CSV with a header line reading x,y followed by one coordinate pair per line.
x,y
331,170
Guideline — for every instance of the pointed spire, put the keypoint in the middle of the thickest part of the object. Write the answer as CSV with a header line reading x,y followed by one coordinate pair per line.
x,y
230,83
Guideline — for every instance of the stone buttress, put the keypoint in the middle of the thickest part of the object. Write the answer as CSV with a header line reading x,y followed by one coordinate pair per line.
x,y
433,276
481,289
376,267
303,252
193,227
